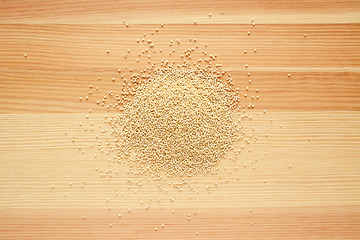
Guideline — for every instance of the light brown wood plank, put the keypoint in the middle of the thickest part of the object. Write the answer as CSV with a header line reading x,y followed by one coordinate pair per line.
x,y
335,222
64,59
183,12
317,197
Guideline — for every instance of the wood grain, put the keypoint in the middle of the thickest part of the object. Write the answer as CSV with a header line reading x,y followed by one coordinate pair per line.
x,y
318,197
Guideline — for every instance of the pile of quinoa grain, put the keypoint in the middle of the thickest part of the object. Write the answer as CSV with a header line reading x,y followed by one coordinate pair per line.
x,y
180,122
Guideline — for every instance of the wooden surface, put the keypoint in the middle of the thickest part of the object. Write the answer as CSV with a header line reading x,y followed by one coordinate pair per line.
x,y
318,197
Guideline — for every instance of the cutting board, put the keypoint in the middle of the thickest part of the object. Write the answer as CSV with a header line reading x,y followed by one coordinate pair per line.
x,y
300,180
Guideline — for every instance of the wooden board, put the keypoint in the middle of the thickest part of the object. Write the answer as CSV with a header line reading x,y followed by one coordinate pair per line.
x,y
301,181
